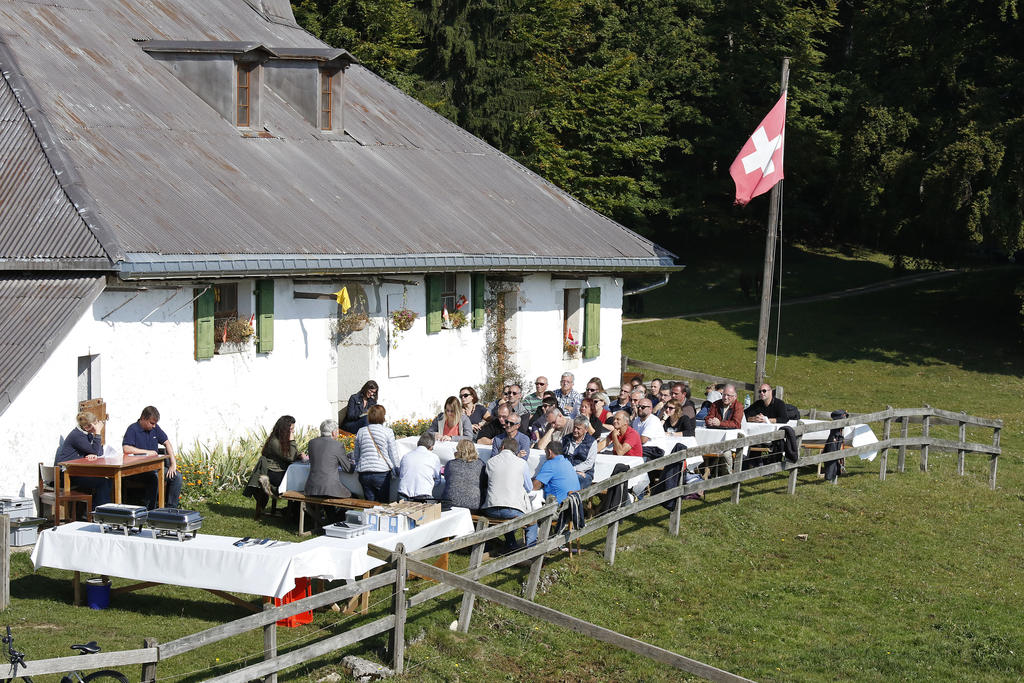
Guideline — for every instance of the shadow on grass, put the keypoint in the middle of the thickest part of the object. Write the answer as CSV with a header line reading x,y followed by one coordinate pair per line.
x,y
926,324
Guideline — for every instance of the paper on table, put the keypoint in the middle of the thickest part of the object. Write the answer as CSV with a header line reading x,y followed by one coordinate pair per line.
x,y
113,455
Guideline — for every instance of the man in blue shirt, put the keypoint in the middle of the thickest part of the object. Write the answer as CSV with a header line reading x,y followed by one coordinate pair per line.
x,y
143,438
512,432
556,476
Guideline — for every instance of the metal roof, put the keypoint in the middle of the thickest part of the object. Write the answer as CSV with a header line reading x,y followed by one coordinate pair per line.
x,y
172,178
35,315
39,223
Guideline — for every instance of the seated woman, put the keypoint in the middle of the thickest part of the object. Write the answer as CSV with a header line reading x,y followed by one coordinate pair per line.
x,y
278,453
452,424
84,441
472,408
376,456
588,409
358,405
676,422
465,479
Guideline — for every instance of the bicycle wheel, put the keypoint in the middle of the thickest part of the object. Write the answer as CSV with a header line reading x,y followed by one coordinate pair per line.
x,y
105,675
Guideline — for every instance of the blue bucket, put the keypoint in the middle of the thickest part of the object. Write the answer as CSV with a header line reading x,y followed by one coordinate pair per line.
x,y
97,593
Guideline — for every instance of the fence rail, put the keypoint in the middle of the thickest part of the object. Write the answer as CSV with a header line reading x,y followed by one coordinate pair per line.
x,y
469,580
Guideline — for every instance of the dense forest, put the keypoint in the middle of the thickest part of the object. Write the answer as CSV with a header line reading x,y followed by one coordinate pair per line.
x,y
905,126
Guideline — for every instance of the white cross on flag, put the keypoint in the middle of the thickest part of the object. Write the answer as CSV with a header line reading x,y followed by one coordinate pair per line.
x,y
759,164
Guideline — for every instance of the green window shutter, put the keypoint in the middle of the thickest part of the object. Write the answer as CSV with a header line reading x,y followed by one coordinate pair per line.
x,y
202,315
264,316
592,322
478,300
433,288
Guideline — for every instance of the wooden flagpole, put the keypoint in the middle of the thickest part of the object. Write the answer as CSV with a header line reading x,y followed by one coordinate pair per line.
x,y
769,260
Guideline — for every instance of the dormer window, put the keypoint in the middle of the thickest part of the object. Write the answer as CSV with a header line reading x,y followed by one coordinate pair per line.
x,y
326,104
243,90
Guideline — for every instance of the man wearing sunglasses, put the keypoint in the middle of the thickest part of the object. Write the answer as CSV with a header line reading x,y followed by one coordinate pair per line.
x,y
532,401
766,408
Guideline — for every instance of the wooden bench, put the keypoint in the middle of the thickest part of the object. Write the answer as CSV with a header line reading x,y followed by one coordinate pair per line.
x,y
314,503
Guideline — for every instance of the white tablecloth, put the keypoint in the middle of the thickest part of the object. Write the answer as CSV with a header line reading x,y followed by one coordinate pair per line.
x,y
213,562
856,435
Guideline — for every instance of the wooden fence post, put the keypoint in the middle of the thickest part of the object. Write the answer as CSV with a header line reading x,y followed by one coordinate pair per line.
x,y
925,425
901,457
994,460
886,435
538,562
475,558
5,561
269,643
791,484
149,668
398,606
610,539
960,452
737,466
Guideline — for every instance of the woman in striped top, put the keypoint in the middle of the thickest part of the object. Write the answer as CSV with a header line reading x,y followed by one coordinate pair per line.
x,y
376,456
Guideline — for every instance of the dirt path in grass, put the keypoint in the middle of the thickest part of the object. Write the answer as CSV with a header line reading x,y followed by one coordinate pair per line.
x,y
853,291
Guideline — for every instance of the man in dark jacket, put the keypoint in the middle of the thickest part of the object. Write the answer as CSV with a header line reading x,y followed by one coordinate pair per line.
x,y
766,408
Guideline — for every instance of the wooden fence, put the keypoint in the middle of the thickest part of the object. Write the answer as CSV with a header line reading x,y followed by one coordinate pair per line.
x,y
892,421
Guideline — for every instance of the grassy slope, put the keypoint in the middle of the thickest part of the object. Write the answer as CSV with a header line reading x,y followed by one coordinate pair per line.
x,y
914,578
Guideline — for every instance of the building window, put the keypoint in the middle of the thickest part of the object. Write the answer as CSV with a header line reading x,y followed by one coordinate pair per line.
x,y
448,291
571,318
591,322
88,377
244,96
326,106
225,304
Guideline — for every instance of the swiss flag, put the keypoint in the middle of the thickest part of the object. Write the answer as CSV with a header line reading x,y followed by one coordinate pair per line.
x,y
759,164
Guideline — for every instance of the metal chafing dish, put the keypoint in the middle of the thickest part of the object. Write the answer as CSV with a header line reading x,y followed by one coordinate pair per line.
x,y
118,518
174,523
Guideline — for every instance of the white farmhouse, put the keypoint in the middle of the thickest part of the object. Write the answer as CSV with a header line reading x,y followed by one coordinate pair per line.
x,y
171,170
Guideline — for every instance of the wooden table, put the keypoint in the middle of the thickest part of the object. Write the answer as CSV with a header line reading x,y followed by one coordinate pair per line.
x,y
116,469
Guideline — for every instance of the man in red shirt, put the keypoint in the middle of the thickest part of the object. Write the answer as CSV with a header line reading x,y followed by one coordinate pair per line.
x,y
725,413
624,439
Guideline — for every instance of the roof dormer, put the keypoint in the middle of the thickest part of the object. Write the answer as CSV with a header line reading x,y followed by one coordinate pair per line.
x,y
230,76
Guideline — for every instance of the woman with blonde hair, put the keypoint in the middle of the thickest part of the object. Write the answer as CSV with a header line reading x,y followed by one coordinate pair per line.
x,y
675,421
452,424
465,479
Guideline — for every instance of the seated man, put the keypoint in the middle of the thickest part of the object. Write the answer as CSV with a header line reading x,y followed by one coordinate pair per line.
x,y
326,456
680,391
556,476
567,397
512,432
725,413
622,403
144,438
767,409
580,449
508,482
493,427
646,424
558,425
539,421
84,441
532,401
419,470
624,439
664,396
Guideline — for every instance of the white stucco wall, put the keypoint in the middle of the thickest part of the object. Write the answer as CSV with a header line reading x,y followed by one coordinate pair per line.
x,y
306,375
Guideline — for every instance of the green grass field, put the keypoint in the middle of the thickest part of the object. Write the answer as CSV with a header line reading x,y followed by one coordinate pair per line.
x,y
914,578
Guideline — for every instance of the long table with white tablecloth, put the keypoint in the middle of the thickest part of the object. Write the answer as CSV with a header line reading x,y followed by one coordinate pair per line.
x,y
215,563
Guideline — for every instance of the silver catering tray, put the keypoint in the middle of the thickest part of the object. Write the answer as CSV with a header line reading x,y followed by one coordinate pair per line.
x,y
118,517
174,522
